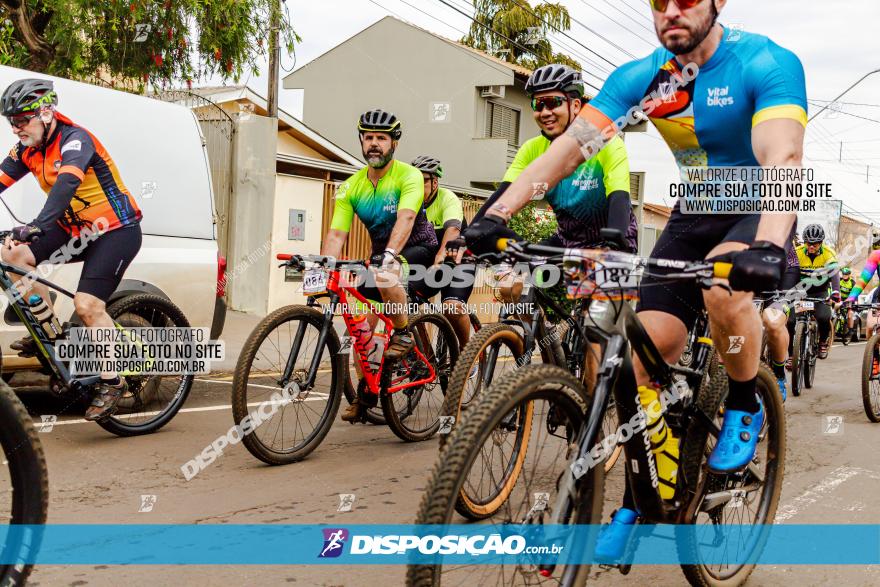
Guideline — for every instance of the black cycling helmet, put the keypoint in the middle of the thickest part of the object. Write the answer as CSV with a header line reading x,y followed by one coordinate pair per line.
x,y
556,77
814,233
846,271
428,164
27,95
380,121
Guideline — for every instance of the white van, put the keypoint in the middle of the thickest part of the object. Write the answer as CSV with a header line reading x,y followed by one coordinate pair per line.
x,y
159,150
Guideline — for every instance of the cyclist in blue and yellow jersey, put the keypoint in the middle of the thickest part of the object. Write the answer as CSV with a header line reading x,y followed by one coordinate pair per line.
x,y
86,197
818,261
446,215
388,197
717,100
596,194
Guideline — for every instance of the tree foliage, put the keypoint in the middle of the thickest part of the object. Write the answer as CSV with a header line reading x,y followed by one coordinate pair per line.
x,y
517,32
133,42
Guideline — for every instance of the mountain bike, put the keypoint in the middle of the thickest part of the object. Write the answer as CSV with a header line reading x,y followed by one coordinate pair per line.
x,y
25,483
805,345
521,332
871,364
841,329
295,351
374,415
560,482
151,401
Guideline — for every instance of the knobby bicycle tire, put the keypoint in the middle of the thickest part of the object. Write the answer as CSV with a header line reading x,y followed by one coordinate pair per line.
x,y
696,451
140,310
30,486
400,420
243,369
474,353
524,386
871,401
798,358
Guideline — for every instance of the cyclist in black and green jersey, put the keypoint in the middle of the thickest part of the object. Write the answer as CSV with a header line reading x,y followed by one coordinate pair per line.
x,y
596,195
446,215
387,196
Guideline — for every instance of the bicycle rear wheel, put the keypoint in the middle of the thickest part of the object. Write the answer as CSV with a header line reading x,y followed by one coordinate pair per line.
x,y
25,486
413,413
558,403
500,344
732,503
152,400
871,379
295,428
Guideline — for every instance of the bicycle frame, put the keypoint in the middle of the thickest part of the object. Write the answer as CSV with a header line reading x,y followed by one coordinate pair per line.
x,y
338,292
46,347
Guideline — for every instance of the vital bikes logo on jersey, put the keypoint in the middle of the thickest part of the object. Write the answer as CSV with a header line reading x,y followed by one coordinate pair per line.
x,y
334,542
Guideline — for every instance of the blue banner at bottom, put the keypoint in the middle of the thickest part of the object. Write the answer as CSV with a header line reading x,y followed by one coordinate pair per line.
x,y
368,544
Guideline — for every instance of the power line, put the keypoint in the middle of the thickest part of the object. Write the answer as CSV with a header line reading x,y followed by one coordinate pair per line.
x,y
847,103
638,10
847,113
609,41
620,24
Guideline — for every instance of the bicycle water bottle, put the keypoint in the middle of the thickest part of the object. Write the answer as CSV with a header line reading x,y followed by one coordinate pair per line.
x,y
45,316
664,444
375,356
361,333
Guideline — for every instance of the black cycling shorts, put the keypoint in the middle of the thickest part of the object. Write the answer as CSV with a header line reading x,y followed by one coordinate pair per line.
x,y
415,255
104,259
690,237
459,282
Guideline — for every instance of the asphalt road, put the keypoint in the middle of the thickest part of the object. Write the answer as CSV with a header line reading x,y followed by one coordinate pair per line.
x,y
98,478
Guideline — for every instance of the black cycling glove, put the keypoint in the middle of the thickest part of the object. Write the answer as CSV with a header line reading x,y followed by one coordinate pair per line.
x,y
758,268
26,233
482,236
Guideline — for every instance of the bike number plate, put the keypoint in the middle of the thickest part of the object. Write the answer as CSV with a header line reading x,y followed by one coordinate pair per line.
x,y
314,281
612,276
803,307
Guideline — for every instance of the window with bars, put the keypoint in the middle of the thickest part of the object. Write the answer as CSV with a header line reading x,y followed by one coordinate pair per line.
x,y
502,122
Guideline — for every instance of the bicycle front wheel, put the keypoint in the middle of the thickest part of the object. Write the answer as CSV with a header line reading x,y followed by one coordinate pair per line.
x,y
152,400
413,413
558,403
811,355
871,378
294,427
25,485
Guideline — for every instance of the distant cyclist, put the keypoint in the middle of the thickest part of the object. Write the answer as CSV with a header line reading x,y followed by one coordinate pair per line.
x,y
445,213
387,196
819,262
868,272
85,192
595,195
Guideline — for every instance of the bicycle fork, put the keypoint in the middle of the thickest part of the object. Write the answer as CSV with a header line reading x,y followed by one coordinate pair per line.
x,y
312,373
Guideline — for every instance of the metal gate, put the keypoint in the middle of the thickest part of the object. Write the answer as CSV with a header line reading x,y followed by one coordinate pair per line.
x,y
218,130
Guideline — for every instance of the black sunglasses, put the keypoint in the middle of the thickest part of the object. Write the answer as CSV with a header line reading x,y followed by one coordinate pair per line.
x,y
551,102
21,120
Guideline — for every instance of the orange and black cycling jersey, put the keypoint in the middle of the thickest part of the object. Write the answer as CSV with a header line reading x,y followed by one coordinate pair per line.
x,y
79,177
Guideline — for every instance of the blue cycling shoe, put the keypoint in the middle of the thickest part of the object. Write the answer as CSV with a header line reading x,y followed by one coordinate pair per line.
x,y
781,383
737,440
613,538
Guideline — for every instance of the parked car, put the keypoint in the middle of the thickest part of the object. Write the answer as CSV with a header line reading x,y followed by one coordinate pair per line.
x,y
160,152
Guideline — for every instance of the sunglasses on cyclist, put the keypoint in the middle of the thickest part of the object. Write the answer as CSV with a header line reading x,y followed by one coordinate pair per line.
x,y
21,120
660,5
551,102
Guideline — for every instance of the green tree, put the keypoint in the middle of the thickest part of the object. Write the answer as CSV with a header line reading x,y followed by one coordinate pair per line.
x,y
135,42
517,32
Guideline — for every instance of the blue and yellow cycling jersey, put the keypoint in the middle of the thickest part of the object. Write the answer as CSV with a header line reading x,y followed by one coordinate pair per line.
x,y
708,121
580,201
402,187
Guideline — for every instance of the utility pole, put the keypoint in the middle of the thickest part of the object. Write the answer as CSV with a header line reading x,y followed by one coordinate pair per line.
x,y
869,74
274,54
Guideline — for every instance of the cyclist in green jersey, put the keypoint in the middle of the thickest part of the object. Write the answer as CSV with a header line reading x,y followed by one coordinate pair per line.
x,y
446,215
387,196
596,195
